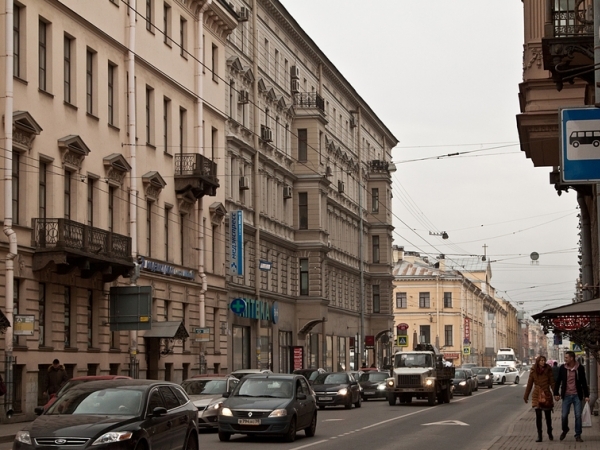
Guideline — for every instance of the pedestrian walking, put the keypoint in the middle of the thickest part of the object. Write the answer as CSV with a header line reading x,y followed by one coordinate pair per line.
x,y
55,377
571,385
541,382
555,370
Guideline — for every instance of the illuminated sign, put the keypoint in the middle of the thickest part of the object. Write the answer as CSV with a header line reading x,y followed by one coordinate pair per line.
x,y
570,323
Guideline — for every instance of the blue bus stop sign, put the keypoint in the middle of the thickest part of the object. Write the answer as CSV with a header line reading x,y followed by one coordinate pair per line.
x,y
580,145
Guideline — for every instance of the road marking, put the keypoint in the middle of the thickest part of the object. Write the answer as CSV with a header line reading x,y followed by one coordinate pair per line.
x,y
311,444
448,422
332,420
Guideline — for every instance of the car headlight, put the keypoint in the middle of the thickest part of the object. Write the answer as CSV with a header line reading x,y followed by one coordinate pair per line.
x,y
216,405
463,383
113,436
23,436
390,383
381,387
226,412
487,377
343,391
278,413
429,382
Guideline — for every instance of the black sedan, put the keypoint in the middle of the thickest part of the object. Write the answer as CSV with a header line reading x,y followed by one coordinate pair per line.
x,y
462,382
484,376
373,385
115,415
269,404
337,388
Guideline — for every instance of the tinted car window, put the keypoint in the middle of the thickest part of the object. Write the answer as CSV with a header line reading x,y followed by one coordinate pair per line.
x,y
155,401
171,401
305,387
460,374
181,397
102,402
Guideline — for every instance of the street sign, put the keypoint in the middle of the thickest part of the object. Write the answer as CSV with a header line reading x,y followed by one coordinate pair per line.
x,y
402,341
466,350
236,231
577,349
580,145
202,334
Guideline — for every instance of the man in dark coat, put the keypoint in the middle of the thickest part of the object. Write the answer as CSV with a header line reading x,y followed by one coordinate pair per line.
x,y
572,386
55,377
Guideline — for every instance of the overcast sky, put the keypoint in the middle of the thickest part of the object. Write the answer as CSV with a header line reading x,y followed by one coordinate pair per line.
x,y
443,75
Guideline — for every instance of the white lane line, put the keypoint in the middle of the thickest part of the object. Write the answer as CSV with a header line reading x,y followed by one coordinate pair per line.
x,y
310,445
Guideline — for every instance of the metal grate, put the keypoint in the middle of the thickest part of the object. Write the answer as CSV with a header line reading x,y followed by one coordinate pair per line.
x,y
573,18
61,442
409,381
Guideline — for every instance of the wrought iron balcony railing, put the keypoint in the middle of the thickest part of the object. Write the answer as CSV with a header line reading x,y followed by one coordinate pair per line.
x,y
309,100
65,235
194,164
572,18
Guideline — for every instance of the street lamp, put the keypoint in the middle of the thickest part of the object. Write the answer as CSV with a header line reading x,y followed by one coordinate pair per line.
x,y
443,234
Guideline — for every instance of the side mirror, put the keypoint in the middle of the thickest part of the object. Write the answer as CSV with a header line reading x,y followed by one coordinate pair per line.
x,y
159,411
301,396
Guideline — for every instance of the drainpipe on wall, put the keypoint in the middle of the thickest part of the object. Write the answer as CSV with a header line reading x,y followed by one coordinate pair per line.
x,y
8,218
133,335
200,207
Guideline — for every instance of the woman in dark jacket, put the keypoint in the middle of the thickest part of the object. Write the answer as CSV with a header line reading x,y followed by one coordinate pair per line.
x,y
541,379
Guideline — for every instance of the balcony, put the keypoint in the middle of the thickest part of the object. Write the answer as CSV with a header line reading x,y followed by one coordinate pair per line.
x,y
195,174
568,45
71,245
378,165
309,100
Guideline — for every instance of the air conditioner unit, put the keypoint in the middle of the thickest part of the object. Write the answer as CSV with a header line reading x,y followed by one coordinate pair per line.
x,y
244,185
243,97
244,14
295,85
287,192
328,172
266,134
294,72
352,122
340,187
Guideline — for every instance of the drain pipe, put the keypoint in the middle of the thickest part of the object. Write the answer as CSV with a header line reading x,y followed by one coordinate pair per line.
x,y
200,142
8,218
133,334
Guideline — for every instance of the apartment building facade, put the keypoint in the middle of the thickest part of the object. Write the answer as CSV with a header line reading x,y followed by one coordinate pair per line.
x,y
450,303
113,121
309,165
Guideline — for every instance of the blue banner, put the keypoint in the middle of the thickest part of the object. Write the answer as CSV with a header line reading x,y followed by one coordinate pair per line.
x,y
236,231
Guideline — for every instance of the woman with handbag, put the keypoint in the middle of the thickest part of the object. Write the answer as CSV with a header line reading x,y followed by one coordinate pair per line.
x,y
542,383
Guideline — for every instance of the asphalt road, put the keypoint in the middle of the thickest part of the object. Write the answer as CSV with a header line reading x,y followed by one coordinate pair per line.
x,y
468,423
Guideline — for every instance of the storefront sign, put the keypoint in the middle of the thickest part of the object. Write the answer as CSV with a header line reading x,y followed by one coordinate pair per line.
x,y
467,330
165,269
570,323
297,357
236,229
451,355
23,325
250,308
369,342
202,334
352,343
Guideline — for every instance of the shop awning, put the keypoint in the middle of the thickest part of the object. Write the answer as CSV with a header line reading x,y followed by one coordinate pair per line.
x,y
587,308
169,330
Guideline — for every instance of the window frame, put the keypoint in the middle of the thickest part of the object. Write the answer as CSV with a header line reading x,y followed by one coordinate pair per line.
x,y
401,299
376,253
43,55
424,299
376,293
302,210
304,282
447,299
302,145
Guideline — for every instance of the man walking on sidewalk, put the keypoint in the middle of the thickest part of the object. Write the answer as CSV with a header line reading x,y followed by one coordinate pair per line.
x,y
573,388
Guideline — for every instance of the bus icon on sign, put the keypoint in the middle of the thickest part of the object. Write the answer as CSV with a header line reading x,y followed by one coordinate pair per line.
x,y
591,137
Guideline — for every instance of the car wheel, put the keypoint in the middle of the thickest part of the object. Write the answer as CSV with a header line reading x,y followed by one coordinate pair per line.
x,y
192,442
431,398
575,144
290,436
596,143
391,399
224,436
349,404
503,380
517,380
491,385
470,391
358,402
310,431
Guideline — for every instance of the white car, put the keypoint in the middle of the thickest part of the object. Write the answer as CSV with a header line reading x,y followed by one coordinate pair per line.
x,y
240,373
208,393
505,375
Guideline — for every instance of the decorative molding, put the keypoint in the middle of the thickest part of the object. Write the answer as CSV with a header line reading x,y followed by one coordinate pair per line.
x,y
74,151
153,185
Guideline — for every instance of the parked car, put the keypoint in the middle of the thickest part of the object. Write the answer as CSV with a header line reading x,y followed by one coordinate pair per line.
x,y
241,373
337,388
207,394
462,383
373,385
115,415
269,404
78,380
309,374
505,375
473,378
484,376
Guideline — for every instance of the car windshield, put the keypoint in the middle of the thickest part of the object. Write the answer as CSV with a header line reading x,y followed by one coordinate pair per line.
x,y
373,376
332,378
124,402
481,371
413,360
204,387
264,387
505,358
498,369
460,374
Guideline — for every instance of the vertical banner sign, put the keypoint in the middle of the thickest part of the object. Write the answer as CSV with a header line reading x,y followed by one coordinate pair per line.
x,y
297,357
467,330
236,228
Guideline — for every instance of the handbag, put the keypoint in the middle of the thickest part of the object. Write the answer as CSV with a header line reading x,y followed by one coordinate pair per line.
x,y
586,416
545,399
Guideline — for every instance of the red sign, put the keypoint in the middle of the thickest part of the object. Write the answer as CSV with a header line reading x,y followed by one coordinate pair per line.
x,y
297,357
570,323
451,355
369,342
352,343
467,330
402,327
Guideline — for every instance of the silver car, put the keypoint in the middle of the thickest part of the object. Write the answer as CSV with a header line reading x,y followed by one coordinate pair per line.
x,y
207,394
505,375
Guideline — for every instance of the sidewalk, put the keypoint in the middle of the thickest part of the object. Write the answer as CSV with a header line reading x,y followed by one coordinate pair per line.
x,y
522,434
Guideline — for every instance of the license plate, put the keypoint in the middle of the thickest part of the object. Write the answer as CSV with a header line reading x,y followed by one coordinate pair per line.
x,y
369,392
248,421
326,398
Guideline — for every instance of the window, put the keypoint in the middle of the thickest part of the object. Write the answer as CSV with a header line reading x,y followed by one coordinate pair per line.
x,y
375,242
424,300
68,43
401,300
167,236
376,299
67,316
303,211
182,119
111,93
149,15
149,227
166,114
90,202
42,55
167,23
424,334
89,82
111,208
302,145
182,239
304,276
90,317
448,342
16,173
42,190
215,63
67,194
214,141
447,299
42,314
17,41
375,200
149,114
183,36
16,291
